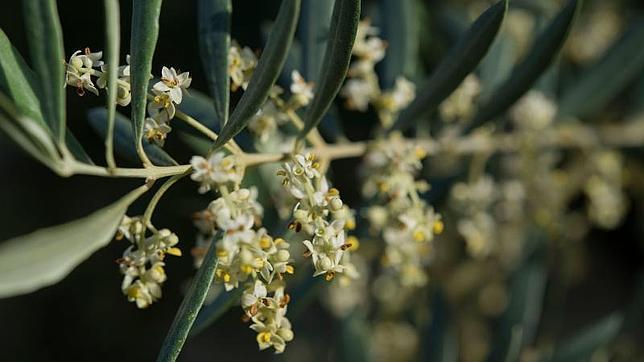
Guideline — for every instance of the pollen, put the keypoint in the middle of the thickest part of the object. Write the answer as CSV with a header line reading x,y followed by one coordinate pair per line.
x,y
264,337
174,251
419,235
353,243
438,227
329,276
265,242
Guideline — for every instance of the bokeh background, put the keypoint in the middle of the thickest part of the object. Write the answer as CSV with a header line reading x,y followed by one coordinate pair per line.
x,y
86,318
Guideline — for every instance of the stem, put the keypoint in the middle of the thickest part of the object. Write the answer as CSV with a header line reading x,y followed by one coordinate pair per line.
x,y
232,146
564,137
147,215
313,136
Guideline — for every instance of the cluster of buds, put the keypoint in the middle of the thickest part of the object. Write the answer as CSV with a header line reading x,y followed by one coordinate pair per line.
x,y
268,315
406,222
247,255
82,66
142,262
461,104
241,64
487,210
363,89
320,214
275,111
607,203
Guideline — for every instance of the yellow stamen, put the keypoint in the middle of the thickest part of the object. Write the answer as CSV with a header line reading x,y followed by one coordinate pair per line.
x,y
438,227
174,251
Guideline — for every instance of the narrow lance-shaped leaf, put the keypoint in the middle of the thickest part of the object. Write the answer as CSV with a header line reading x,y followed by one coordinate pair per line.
x,y
342,34
268,69
400,31
124,138
212,312
461,60
214,41
536,61
190,306
45,38
621,64
582,345
313,31
112,52
145,31
46,256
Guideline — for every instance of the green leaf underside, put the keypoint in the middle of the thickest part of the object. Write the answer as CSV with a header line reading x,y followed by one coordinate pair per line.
x,y
620,65
112,53
214,41
268,70
45,38
210,313
190,306
145,32
124,138
526,73
200,107
46,256
461,60
19,83
400,30
312,33
342,34
581,346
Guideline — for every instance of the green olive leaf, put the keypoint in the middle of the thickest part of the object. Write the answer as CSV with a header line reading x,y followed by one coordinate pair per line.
x,y
581,346
400,27
44,257
621,64
214,42
45,38
124,138
342,34
461,60
145,32
313,31
526,73
190,306
265,75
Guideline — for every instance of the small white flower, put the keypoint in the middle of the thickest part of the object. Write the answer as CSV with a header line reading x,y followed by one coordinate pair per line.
x,y
172,83
301,90
155,132
358,93
161,107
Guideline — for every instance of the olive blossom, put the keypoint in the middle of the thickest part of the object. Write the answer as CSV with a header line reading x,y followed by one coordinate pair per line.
x,y
173,84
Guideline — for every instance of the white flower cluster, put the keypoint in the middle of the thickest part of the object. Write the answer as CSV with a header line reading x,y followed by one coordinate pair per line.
x,y
362,88
406,222
165,93
274,112
607,203
533,112
321,214
142,263
247,255
461,104
241,64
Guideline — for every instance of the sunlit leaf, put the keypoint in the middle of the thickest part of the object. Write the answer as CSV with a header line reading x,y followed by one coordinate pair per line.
x,y
46,256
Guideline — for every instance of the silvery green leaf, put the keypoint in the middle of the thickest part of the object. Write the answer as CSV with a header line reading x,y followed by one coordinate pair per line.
x,y
268,69
44,257
45,38
145,31
214,42
582,345
526,73
190,306
620,65
342,34
210,313
124,138
313,31
400,25
461,60
76,148
112,52
497,64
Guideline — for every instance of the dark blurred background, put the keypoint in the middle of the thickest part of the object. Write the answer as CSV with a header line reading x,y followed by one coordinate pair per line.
x,y
86,317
